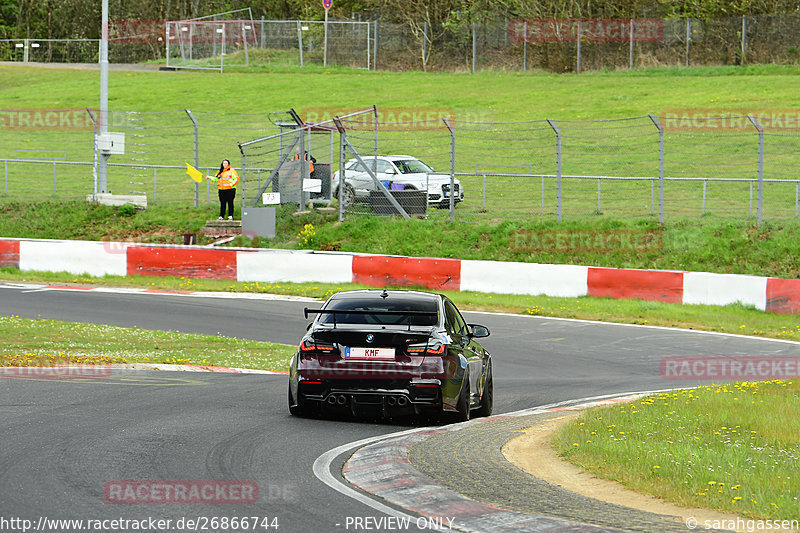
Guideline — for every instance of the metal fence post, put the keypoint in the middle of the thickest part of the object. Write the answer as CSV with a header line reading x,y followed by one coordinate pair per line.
x,y
300,41
474,44
660,167
196,154
303,170
244,180
375,46
580,32
263,40
688,38
155,184
558,167
525,49
424,44
342,160
246,51
375,140
54,179
705,185
599,195
630,51
452,168
744,42
96,161
760,204
5,164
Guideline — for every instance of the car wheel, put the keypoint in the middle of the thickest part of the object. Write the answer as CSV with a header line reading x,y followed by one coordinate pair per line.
x,y
487,399
297,410
349,195
462,406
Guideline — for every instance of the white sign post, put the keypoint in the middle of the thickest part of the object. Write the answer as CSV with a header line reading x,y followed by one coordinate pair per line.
x,y
327,5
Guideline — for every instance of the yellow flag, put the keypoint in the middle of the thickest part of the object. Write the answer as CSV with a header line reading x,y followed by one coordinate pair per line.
x,y
195,174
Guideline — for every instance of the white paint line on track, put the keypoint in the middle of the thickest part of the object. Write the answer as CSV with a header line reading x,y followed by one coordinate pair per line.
x,y
322,470
322,466
626,325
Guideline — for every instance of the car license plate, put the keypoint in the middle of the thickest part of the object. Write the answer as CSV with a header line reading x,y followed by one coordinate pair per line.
x,y
382,354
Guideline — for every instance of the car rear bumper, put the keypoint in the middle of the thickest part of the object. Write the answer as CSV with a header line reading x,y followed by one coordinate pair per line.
x,y
394,396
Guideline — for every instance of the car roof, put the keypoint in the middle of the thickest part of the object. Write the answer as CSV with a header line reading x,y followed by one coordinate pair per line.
x,y
386,157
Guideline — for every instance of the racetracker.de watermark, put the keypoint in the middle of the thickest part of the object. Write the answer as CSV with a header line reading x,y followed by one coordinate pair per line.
x,y
721,121
729,368
584,241
45,120
388,118
57,371
180,492
591,30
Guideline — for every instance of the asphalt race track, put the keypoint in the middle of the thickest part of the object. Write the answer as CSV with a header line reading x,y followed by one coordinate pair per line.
x,y
63,440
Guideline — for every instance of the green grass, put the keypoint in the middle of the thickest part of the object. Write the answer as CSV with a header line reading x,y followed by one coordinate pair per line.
x,y
703,244
729,447
494,96
43,342
503,96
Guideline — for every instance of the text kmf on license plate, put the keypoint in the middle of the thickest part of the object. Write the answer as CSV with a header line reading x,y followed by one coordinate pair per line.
x,y
369,353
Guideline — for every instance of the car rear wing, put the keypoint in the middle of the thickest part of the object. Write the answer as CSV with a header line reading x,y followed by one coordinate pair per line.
x,y
334,312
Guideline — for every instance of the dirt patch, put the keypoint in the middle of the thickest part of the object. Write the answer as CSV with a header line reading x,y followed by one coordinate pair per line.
x,y
532,452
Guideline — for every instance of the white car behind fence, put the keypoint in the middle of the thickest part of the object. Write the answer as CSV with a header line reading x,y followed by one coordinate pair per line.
x,y
396,172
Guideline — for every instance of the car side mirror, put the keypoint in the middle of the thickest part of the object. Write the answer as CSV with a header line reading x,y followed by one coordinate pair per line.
x,y
479,331
308,327
390,171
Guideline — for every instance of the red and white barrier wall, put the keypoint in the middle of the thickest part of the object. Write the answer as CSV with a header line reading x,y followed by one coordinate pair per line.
x,y
244,264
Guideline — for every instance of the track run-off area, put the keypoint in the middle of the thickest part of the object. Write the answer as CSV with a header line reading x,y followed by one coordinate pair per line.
x,y
66,441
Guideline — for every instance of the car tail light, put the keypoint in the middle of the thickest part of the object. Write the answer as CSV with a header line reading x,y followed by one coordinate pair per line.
x,y
309,345
436,348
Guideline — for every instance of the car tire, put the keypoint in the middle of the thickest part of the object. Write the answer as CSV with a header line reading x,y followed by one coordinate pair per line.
x,y
300,409
349,195
487,398
462,405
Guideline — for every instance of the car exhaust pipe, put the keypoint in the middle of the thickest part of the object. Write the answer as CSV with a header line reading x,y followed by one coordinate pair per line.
x,y
391,401
331,400
341,399
402,401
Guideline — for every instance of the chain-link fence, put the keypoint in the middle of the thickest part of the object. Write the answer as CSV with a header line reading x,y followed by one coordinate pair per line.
x,y
556,45
676,165
50,153
570,45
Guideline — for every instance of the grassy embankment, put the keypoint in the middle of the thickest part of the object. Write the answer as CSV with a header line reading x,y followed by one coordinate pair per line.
x,y
486,96
731,447
704,245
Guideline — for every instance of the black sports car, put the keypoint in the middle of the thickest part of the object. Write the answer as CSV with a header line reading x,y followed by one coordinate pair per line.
x,y
391,353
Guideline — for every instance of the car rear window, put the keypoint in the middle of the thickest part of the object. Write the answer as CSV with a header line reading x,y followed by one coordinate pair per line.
x,y
388,304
